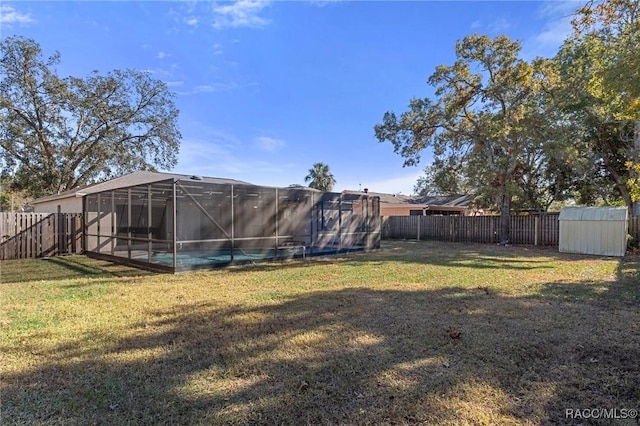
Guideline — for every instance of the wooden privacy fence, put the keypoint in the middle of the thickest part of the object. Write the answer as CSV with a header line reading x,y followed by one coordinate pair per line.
x,y
634,227
534,229
538,229
31,235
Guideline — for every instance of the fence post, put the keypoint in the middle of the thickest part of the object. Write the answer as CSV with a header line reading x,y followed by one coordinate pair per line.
x,y
418,236
451,237
536,227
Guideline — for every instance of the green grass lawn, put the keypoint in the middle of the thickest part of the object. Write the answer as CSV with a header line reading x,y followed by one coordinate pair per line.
x,y
421,332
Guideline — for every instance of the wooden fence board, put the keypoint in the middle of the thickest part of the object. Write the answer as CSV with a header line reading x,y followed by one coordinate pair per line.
x,y
540,229
32,235
634,227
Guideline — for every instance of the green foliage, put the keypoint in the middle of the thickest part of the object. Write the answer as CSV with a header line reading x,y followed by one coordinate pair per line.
x,y
59,133
443,177
634,180
600,97
531,135
320,177
610,32
10,198
488,126
5,202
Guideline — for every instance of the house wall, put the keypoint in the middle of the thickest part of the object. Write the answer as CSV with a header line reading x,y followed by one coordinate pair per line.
x,y
396,210
67,205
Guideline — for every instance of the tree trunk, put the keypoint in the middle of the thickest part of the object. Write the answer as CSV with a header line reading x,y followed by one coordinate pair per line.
x,y
621,186
505,215
635,208
624,193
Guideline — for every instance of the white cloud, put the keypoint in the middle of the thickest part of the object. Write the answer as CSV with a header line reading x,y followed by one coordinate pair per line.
x,y
322,3
556,28
168,72
555,32
221,154
212,157
215,87
499,25
221,14
9,15
558,9
217,49
162,55
209,143
174,83
210,88
240,13
268,144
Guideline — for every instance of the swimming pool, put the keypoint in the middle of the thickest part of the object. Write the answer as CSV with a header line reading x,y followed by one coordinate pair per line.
x,y
206,258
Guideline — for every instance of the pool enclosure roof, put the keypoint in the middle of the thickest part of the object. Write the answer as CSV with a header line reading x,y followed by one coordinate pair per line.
x,y
129,180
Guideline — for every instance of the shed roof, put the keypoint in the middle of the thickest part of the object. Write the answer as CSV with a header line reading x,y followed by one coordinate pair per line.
x,y
132,179
594,213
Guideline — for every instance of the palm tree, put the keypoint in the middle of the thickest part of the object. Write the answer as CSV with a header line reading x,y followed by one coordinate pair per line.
x,y
320,177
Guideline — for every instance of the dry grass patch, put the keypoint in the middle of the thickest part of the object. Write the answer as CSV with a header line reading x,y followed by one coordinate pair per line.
x,y
414,333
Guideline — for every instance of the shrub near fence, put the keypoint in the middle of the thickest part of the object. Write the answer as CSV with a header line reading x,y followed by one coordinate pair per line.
x,y
535,229
31,235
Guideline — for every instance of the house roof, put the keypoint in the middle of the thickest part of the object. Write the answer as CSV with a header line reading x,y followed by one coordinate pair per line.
x,y
384,198
458,201
448,201
132,179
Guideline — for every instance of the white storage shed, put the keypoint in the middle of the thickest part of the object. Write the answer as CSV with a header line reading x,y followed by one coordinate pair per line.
x,y
594,230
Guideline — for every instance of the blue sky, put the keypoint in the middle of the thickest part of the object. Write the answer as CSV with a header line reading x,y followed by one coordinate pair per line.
x,y
266,89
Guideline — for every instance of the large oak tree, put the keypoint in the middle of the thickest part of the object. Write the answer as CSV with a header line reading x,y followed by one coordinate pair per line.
x,y
487,120
59,133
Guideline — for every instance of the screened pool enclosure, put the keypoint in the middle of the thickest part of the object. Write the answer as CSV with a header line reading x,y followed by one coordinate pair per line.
x,y
183,224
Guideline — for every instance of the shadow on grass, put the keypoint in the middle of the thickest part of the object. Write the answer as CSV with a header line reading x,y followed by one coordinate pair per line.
x,y
64,268
476,255
629,269
620,293
623,290
351,356
462,255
